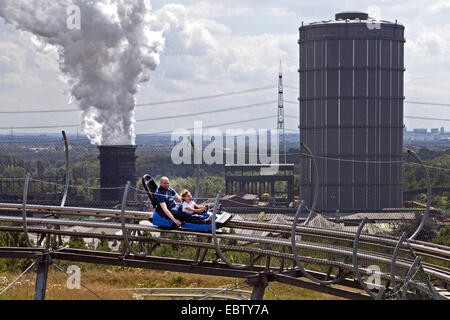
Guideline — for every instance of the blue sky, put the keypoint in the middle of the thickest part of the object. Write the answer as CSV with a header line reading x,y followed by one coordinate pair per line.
x,y
217,47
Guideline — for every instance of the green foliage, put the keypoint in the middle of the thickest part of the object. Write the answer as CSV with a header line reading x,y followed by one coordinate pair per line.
x,y
177,279
103,245
77,242
13,239
414,176
14,172
444,236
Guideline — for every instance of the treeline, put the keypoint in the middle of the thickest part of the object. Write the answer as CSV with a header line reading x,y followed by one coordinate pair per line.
x,y
414,177
85,169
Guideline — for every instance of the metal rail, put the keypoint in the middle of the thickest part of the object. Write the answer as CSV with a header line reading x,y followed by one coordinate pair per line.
x,y
430,249
216,242
67,179
24,211
427,211
271,244
316,182
338,277
439,274
355,263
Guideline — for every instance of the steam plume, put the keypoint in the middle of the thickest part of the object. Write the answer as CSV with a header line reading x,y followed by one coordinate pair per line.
x,y
105,60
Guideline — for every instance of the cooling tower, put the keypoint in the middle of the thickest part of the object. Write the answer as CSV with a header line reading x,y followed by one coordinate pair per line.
x,y
117,166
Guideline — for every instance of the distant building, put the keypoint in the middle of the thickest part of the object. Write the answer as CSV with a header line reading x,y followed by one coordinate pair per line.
x,y
419,134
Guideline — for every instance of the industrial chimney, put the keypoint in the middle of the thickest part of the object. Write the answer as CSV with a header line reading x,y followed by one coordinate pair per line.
x,y
351,111
117,166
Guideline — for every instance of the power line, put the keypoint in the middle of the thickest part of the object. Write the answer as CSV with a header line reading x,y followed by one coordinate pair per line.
x,y
424,118
216,125
171,117
428,103
206,97
43,127
219,95
208,112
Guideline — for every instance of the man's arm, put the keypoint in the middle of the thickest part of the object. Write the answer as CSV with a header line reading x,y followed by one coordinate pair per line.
x,y
178,197
169,214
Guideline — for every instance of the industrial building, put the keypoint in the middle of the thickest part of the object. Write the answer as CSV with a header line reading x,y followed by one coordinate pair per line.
x,y
351,111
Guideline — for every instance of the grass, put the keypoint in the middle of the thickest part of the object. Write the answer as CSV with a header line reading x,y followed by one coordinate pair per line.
x,y
109,285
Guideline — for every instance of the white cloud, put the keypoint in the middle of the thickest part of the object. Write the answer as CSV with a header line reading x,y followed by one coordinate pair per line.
x,y
213,46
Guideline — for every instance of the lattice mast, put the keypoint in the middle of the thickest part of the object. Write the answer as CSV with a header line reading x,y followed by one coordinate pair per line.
x,y
280,124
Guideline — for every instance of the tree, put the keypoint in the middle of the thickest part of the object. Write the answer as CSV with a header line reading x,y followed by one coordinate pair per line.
x,y
14,172
77,242
443,237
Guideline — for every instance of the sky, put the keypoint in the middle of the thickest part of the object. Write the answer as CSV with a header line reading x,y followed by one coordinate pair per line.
x,y
216,47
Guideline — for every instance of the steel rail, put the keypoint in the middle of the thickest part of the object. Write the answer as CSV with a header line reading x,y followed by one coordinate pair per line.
x,y
182,265
420,246
427,211
409,277
67,178
316,182
159,230
216,242
199,244
417,245
197,172
356,265
228,248
124,229
338,277
185,232
310,246
44,209
394,260
24,212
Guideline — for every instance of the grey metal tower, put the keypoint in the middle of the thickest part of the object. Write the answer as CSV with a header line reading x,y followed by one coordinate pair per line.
x,y
280,119
351,111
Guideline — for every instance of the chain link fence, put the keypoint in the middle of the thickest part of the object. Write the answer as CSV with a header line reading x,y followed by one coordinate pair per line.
x,y
44,157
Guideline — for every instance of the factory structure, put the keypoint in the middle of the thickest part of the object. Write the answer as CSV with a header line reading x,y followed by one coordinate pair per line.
x,y
117,167
351,72
351,111
351,76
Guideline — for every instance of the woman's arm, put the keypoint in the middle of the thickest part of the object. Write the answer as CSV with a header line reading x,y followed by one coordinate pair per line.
x,y
193,210
201,208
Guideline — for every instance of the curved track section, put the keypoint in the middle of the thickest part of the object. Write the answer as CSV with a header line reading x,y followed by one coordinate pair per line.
x,y
284,238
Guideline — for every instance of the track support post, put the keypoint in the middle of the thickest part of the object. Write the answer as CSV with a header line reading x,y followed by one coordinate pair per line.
x,y
259,283
43,262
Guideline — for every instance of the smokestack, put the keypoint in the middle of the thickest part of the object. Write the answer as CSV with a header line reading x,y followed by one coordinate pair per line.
x,y
117,166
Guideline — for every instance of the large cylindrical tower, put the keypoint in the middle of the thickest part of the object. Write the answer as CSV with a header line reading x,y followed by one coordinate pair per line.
x,y
351,111
117,166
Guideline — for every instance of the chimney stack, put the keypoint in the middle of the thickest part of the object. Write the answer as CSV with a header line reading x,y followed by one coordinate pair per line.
x,y
117,166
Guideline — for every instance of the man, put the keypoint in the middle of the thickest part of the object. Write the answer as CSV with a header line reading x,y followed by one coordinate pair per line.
x,y
164,196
